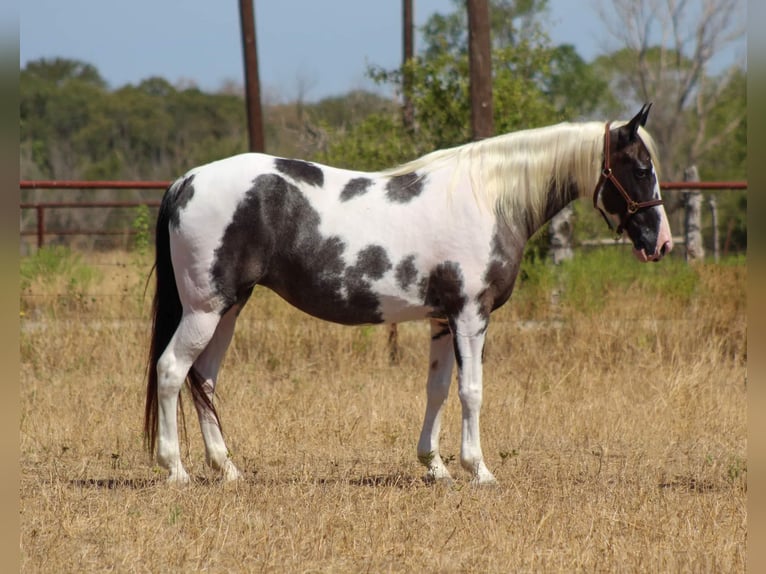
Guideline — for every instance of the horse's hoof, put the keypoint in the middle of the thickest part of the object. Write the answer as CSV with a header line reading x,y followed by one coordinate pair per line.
x,y
231,473
442,480
178,479
484,483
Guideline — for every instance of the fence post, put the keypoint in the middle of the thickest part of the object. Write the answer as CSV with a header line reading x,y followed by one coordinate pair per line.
x,y
560,237
560,234
394,352
693,218
40,225
713,203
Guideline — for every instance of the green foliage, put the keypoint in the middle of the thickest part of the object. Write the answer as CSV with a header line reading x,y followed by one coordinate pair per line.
x,y
574,86
536,280
377,142
593,276
600,277
72,126
728,159
50,265
142,226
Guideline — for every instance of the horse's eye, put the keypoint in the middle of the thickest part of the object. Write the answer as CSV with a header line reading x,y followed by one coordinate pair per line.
x,y
643,172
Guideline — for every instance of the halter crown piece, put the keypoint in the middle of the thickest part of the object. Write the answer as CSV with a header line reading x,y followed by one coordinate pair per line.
x,y
607,174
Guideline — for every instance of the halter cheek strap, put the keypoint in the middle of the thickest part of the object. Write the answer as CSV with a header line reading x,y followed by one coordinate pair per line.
x,y
633,206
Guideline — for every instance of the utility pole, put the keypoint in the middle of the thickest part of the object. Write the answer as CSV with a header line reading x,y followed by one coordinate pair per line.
x,y
408,120
479,54
252,81
408,52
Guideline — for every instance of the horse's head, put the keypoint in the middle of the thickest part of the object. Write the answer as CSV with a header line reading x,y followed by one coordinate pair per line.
x,y
628,191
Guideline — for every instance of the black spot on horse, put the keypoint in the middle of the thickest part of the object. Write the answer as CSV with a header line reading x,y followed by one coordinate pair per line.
x,y
406,273
356,186
502,269
403,188
443,290
274,240
300,170
177,198
372,262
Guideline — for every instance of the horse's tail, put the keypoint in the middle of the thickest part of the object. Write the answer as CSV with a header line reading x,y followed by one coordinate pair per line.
x,y
166,311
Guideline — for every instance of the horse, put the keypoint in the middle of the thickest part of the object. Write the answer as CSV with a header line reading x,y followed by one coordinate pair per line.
x,y
439,238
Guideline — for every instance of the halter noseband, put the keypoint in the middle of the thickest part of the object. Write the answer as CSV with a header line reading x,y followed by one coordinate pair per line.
x,y
607,174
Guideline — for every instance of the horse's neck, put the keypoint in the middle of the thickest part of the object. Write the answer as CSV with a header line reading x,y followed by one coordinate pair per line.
x,y
559,198
556,199
545,177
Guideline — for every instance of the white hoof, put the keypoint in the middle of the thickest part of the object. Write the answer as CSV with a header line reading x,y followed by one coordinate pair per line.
x,y
178,477
437,472
230,472
482,476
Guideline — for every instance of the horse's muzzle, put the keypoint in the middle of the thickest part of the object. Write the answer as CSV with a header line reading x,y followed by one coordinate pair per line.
x,y
664,248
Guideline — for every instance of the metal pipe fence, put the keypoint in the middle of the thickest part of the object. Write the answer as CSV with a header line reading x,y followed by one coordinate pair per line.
x,y
41,231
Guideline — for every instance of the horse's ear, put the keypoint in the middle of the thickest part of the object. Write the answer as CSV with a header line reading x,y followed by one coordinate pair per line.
x,y
644,113
638,120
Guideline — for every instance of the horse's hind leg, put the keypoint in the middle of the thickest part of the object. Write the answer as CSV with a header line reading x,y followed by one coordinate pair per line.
x,y
441,361
207,366
194,332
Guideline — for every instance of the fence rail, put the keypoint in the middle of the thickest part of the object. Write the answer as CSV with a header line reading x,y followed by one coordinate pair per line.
x,y
40,207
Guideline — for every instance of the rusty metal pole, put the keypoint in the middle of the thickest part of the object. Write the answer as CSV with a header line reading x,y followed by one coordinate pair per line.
x,y
480,63
252,81
40,225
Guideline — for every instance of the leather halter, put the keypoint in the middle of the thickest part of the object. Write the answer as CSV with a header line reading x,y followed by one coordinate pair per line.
x,y
633,206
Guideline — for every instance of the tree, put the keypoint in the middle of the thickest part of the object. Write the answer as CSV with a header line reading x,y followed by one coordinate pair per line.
x,y
666,54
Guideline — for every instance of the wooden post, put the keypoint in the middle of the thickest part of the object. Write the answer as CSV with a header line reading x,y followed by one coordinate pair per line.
x,y
560,234
252,80
713,203
408,120
408,52
693,218
480,63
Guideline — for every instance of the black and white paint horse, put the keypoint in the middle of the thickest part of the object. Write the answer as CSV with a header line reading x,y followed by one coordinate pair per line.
x,y
439,238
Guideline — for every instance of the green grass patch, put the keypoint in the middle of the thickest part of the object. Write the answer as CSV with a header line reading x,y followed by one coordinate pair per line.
x,y
593,277
599,278
54,279
52,264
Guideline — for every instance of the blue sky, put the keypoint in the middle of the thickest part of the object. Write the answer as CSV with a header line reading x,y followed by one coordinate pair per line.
x,y
299,41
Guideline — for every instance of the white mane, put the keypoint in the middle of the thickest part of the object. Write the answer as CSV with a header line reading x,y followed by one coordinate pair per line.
x,y
515,172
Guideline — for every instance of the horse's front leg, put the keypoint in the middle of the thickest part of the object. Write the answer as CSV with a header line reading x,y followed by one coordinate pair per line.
x,y
469,334
440,362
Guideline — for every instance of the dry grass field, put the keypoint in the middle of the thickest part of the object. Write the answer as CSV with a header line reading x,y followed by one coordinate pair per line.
x,y
615,423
